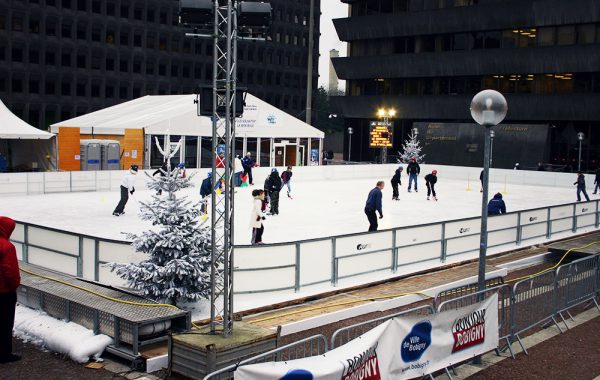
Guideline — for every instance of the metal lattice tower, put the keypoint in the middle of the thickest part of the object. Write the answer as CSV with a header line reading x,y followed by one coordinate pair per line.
x,y
223,123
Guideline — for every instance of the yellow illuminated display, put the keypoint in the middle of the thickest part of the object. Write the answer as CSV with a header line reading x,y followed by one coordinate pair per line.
x,y
379,135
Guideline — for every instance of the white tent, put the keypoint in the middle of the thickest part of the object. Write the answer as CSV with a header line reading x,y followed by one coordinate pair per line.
x,y
11,127
22,146
178,115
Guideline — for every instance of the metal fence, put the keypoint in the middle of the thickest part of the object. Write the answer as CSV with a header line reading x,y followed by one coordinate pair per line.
x,y
311,346
529,303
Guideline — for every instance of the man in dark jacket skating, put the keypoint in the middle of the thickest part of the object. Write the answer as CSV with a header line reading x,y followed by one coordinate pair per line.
x,y
430,180
274,185
10,279
248,163
581,187
496,205
206,189
374,204
413,170
597,181
395,182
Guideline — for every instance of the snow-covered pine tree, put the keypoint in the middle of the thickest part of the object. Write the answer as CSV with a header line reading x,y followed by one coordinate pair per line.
x,y
411,149
178,267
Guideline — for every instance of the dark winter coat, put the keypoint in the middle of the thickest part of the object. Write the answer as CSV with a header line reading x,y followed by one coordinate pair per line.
x,y
431,178
413,168
396,177
496,206
10,278
205,188
374,201
162,170
597,180
247,163
580,181
286,176
273,182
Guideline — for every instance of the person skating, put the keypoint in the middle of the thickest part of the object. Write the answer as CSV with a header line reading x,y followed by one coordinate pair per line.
x,y
496,205
248,163
374,204
581,187
413,170
396,180
430,180
286,178
517,166
127,186
273,186
257,216
162,171
181,170
597,181
10,279
206,189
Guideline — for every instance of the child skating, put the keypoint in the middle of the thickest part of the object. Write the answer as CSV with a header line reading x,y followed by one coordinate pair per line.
x,y
395,182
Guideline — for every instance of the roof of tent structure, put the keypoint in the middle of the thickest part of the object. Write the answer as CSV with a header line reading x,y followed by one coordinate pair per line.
x,y
12,127
177,115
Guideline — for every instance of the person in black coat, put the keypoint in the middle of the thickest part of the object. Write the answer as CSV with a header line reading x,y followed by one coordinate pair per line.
x,y
496,205
162,171
581,187
597,181
413,170
395,182
274,185
206,189
430,180
248,163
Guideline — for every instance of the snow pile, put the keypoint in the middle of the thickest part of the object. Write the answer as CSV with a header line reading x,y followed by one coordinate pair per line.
x,y
59,336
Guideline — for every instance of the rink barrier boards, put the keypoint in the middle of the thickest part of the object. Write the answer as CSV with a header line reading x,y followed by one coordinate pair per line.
x,y
297,265
109,180
524,305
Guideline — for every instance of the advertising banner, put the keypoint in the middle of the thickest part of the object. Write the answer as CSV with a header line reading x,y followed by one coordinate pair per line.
x,y
401,348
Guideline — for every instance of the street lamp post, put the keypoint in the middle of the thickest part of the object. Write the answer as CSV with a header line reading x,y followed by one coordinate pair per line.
x,y
488,108
580,137
386,114
350,132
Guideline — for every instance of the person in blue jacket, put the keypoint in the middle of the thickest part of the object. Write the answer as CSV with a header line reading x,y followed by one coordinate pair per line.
x,y
248,163
496,205
205,190
581,187
374,204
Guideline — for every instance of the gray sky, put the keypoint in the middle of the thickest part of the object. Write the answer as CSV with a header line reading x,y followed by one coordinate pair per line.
x,y
329,40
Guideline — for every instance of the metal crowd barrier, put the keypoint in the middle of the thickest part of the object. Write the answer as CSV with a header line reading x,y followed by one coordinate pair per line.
x,y
528,303
307,347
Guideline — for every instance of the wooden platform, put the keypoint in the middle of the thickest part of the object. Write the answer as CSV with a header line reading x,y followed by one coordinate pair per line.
x,y
581,246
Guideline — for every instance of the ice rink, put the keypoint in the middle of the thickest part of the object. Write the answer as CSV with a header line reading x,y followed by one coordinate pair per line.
x,y
318,208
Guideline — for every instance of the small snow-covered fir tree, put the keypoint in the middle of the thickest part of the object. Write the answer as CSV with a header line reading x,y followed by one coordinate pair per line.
x,y
179,246
411,149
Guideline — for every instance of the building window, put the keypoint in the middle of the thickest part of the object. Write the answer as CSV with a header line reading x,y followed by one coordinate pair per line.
x,y
109,91
34,55
66,4
137,39
96,33
65,59
50,58
123,91
162,69
123,65
34,86
110,64
81,60
66,30
545,36
150,40
34,25
586,34
124,12
81,87
137,66
17,22
149,67
565,35
96,6
163,17
65,88
81,31
17,54
95,90
50,28
96,61
150,15
110,37
82,5
17,85
50,87
137,13
111,9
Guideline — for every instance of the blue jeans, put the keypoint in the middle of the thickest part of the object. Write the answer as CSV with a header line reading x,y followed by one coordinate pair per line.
x,y
289,187
579,191
411,178
597,187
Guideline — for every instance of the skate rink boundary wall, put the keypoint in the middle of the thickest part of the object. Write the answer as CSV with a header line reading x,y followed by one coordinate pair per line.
x,y
284,271
109,180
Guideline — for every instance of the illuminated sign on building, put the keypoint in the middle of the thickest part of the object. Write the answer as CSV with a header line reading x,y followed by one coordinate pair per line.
x,y
380,135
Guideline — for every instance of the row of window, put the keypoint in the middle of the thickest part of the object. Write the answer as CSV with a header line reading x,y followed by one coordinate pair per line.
x,y
515,83
375,7
149,13
83,30
514,38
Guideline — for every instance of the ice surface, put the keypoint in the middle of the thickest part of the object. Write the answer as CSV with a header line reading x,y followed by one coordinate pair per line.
x,y
318,208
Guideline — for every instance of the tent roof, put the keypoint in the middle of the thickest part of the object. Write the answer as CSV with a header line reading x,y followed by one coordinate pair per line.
x,y
11,127
177,115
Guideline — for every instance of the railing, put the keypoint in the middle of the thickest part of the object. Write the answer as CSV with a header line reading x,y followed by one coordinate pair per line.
x,y
529,303
294,266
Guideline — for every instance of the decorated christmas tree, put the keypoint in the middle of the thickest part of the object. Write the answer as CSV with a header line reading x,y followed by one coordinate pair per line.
x,y
178,267
411,149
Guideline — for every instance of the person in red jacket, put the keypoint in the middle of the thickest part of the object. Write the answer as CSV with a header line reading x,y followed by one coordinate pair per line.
x,y
10,279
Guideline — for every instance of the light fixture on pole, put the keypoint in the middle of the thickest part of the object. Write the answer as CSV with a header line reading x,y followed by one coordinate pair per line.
x,y
580,137
386,114
488,108
350,132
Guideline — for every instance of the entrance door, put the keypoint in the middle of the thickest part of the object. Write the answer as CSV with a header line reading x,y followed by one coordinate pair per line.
x,y
290,155
301,154
279,151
